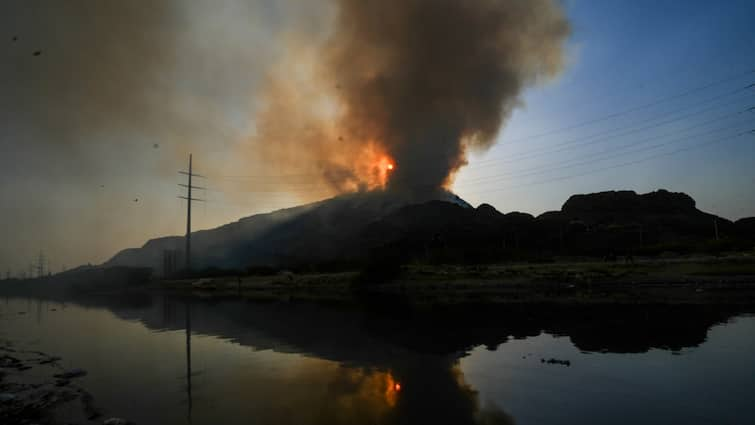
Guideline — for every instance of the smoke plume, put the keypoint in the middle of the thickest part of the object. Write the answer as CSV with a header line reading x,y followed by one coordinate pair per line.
x,y
101,101
399,90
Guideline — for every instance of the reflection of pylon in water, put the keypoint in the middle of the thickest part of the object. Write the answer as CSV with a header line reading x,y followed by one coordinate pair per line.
x,y
41,264
188,359
170,262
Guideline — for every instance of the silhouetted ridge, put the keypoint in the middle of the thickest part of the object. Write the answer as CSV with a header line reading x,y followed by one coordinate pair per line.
x,y
627,201
394,227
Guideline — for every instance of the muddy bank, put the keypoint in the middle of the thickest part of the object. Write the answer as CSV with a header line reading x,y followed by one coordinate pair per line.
x,y
694,280
699,281
36,389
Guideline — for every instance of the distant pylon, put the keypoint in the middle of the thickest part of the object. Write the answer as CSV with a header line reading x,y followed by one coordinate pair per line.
x,y
169,262
41,264
189,200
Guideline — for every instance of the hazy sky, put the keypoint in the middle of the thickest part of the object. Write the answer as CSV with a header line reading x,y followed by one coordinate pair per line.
x,y
95,127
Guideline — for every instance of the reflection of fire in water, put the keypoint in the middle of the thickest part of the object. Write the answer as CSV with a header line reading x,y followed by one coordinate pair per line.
x,y
353,392
392,388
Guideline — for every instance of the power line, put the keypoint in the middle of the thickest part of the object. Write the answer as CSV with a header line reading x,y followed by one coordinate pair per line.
x,y
599,156
587,139
636,108
611,156
658,101
534,170
568,144
624,146
624,164
282,176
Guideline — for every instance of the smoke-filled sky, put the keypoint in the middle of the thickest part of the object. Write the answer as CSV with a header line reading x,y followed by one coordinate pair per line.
x,y
399,89
284,102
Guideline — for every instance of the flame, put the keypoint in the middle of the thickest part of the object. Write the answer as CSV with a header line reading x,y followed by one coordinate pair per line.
x,y
385,167
375,167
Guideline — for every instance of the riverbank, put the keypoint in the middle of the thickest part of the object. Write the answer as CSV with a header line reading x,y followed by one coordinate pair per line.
x,y
681,280
701,280
36,389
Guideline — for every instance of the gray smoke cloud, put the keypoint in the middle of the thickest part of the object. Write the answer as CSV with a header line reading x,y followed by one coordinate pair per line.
x,y
102,101
415,81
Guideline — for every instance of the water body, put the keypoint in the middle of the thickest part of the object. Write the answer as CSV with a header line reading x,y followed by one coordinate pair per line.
x,y
160,359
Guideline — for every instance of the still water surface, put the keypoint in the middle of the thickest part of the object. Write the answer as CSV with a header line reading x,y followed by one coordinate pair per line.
x,y
156,359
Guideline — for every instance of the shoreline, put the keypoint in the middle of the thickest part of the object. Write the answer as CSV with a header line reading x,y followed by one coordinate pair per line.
x,y
698,281
695,280
36,389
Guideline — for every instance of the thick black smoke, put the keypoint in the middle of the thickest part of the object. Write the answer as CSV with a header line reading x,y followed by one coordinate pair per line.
x,y
420,81
426,77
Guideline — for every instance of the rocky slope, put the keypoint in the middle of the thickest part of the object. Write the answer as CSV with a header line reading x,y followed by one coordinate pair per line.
x,y
366,227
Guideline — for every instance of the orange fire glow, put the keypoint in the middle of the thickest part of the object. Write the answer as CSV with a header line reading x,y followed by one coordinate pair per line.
x,y
374,168
384,167
392,388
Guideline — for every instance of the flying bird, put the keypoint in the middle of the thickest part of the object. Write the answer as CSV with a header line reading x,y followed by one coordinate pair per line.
x,y
15,38
37,53
136,200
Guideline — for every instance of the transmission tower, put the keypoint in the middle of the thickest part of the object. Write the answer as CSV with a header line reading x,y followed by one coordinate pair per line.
x,y
189,200
41,264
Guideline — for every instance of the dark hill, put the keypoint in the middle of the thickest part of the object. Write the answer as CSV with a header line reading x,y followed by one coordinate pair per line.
x,y
745,227
659,218
366,227
323,232
628,202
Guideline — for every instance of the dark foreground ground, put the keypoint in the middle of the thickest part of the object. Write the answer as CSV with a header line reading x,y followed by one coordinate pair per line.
x,y
699,280
35,388
728,279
